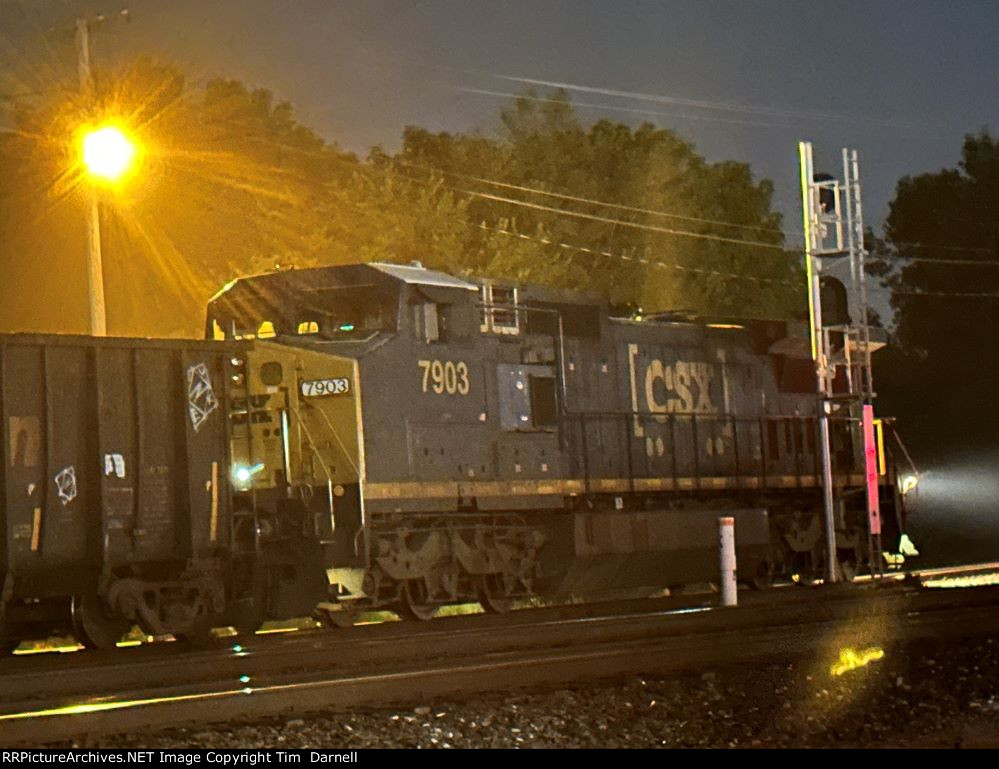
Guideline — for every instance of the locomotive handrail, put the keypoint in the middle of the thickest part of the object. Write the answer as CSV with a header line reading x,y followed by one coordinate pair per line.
x,y
785,459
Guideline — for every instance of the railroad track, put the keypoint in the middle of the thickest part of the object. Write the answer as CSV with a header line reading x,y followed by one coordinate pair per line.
x,y
59,697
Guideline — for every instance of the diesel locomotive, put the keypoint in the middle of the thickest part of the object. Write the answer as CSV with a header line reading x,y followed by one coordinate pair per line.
x,y
388,436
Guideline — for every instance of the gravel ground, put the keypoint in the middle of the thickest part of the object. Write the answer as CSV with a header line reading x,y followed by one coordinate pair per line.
x,y
925,695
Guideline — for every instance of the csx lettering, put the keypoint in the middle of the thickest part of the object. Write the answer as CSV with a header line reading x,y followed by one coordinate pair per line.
x,y
683,387
445,377
686,384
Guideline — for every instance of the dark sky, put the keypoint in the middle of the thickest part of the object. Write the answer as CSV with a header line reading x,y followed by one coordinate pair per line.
x,y
900,81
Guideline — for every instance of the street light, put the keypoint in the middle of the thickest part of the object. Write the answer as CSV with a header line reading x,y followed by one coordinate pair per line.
x,y
107,154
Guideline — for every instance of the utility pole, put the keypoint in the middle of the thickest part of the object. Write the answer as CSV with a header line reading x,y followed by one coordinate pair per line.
x,y
95,268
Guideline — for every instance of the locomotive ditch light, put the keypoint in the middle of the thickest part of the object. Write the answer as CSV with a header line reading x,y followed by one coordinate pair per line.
x,y
243,474
907,483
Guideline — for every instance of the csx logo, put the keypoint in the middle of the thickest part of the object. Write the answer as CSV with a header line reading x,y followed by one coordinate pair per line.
x,y
660,388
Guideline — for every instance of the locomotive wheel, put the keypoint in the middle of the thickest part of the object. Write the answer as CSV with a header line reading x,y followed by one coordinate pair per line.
x,y
93,626
337,619
492,594
199,635
764,577
248,622
414,603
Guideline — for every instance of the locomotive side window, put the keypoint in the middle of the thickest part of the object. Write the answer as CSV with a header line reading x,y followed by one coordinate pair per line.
x,y
499,314
256,330
544,406
428,322
266,330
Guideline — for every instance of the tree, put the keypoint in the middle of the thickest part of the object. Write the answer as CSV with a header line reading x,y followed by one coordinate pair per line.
x,y
728,258
232,184
940,258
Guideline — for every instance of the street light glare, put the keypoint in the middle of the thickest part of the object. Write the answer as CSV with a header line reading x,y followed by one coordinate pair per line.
x,y
107,152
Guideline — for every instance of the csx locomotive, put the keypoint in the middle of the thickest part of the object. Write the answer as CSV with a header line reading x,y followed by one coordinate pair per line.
x,y
383,435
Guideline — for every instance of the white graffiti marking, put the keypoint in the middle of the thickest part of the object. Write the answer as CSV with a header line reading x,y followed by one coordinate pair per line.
x,y
201,400
65,482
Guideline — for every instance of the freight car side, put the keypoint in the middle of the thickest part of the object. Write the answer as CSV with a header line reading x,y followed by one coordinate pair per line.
x,y
113,483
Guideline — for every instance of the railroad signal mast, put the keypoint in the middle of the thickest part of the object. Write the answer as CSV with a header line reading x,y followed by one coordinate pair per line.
x,y
840,335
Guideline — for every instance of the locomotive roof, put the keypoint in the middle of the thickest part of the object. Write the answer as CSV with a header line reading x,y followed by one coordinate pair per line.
x,y
297,281
417,274
280,287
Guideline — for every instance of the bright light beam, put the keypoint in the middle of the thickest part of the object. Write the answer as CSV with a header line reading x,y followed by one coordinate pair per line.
x,y
108,153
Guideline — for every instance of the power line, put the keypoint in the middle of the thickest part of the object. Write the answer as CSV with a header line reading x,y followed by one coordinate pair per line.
x,y
632,258
942,247
933,260
993,294
626,110
575,214
390,173
787,114
589,201
617,222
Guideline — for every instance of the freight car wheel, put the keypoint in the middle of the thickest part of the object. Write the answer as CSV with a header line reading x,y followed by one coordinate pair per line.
x,y
492,594
199,635
764,577
337,619
414,603
93,626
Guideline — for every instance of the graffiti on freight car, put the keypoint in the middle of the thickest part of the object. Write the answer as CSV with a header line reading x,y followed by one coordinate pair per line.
x,y
25,441
201,400
114,466
65,483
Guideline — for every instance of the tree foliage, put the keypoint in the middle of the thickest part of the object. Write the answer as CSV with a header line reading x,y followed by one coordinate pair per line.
x,y
630,251
940,259
230,183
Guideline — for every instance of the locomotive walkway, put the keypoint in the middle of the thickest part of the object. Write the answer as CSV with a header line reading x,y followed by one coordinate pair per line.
x,y
47,698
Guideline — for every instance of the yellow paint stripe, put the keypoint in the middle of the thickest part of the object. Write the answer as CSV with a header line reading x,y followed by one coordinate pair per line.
x,y
36,530
570,486
214,526
879,432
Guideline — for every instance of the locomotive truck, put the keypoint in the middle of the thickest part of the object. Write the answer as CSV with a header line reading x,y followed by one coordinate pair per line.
x,y
387,436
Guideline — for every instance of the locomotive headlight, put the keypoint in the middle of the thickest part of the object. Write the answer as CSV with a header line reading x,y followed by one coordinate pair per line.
x,y
908,483
242,475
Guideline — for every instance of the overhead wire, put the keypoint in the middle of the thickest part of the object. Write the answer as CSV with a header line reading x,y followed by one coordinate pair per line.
x,y
588,201
632,258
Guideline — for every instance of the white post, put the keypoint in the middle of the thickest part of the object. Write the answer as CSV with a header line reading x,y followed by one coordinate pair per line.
x,y
726,547
95,269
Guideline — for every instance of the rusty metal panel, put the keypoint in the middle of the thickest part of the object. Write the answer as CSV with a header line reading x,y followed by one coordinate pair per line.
x,y
115,453
117,450
206,446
